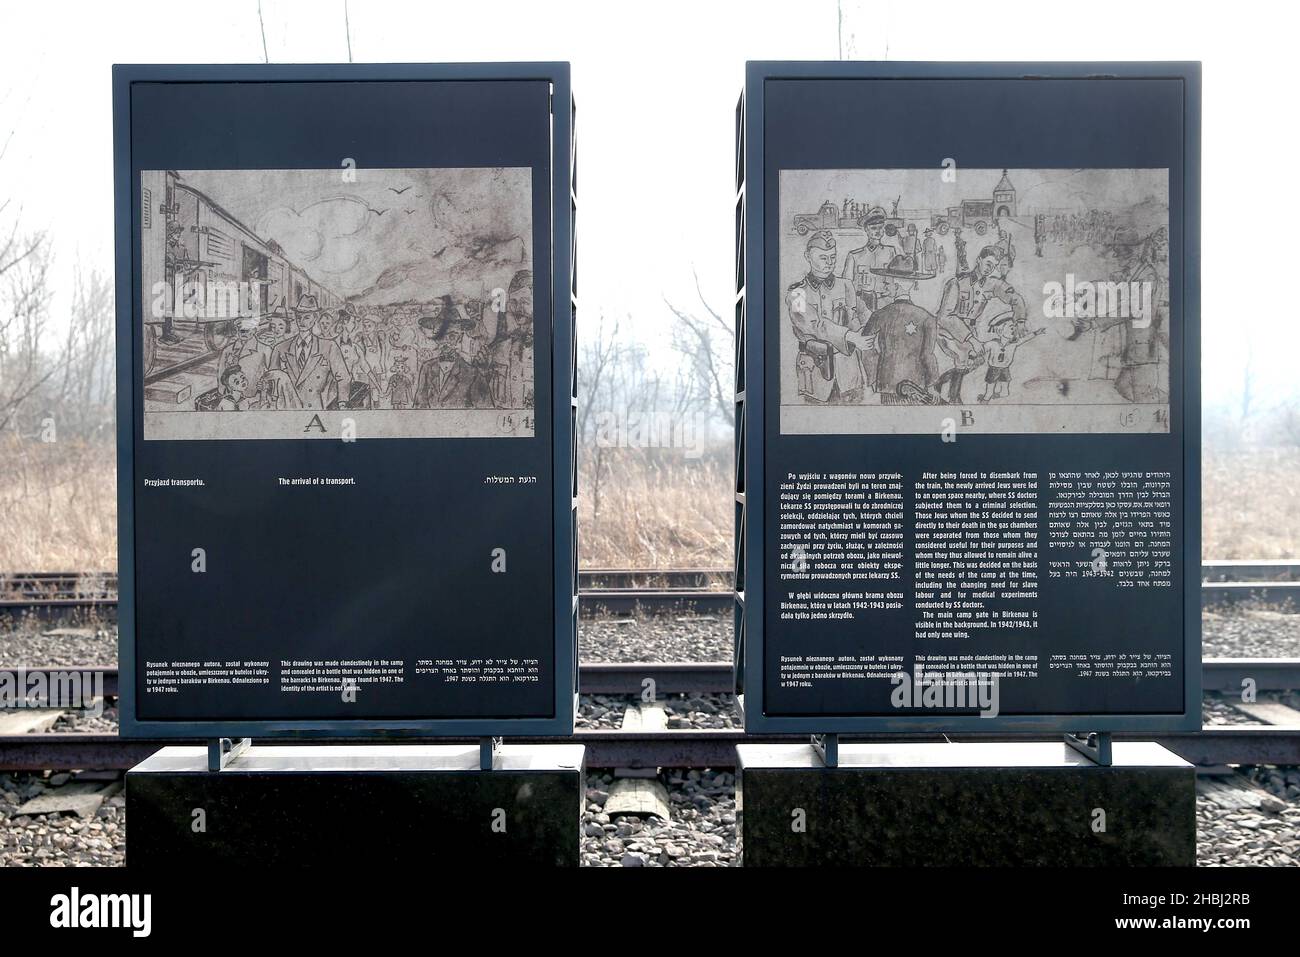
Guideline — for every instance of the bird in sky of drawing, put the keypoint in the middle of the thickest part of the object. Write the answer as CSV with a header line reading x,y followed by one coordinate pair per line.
x,y
377,212
399,192
408,211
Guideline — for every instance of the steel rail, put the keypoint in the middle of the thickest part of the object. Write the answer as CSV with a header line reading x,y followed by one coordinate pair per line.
x,y
1219,745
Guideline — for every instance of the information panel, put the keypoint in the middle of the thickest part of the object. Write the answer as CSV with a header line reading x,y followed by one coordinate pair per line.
x,y
345,442
969,457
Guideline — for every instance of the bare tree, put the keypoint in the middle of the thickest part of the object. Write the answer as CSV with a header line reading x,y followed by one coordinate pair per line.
x,y
25,366
84,395
625,403
707,343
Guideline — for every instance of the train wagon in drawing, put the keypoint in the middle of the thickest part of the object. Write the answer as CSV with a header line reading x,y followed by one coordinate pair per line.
x,y
201,270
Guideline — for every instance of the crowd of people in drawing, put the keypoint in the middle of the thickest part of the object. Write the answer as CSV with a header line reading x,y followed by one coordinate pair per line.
x,y
474,354
861,337
1082,226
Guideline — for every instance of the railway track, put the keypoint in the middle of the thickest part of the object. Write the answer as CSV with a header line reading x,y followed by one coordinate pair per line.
x,y
104,584
49,595
1211,747
704,748
624,591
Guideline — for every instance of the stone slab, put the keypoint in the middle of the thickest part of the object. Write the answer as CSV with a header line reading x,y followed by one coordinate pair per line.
x,y
357,805
974,804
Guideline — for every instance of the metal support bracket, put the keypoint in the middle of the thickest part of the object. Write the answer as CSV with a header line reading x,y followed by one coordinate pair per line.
x,y
1093,745
221,751
827,747
488,749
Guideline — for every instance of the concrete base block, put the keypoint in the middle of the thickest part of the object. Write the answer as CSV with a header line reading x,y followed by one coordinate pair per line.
x,y
1012,804
344,806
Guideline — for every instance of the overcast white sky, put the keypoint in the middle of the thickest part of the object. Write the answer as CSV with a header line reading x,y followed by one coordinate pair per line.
x,y
656,85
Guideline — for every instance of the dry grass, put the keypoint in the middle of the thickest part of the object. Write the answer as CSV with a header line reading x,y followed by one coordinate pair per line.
x,y
1250,504
657,509
58,506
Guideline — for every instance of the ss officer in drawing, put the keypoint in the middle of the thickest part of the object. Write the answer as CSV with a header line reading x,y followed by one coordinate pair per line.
x,y
860,263
827,320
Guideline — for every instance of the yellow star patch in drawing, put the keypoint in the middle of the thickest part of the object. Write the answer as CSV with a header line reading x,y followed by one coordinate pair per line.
x,y
910,328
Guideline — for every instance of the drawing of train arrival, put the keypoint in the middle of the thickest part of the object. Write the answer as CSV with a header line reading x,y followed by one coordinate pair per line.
x,y
202,270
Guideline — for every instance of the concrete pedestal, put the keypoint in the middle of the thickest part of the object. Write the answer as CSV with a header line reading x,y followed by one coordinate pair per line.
x,y
1022,804
348,805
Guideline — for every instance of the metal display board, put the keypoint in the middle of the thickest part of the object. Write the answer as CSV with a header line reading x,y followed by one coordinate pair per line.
x,y
968,406
345,305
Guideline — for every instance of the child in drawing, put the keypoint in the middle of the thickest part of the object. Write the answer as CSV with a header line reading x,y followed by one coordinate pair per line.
x,y
400,388
234,383
1000,352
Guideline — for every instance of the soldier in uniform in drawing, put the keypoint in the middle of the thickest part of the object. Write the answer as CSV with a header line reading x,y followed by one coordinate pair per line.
x,y
997,286
962,300
872,289
826,317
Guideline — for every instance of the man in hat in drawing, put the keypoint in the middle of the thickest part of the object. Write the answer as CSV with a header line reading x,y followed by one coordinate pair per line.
x,y
316,369
446,379
826,318
511,348
929,251
905,336
876,254
276,329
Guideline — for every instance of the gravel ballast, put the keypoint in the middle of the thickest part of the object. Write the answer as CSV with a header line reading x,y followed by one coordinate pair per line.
x,y
1227,632
700,832
701,829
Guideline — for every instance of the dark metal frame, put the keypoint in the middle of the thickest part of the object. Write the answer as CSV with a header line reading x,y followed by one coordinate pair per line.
x,y
751,263
562,409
